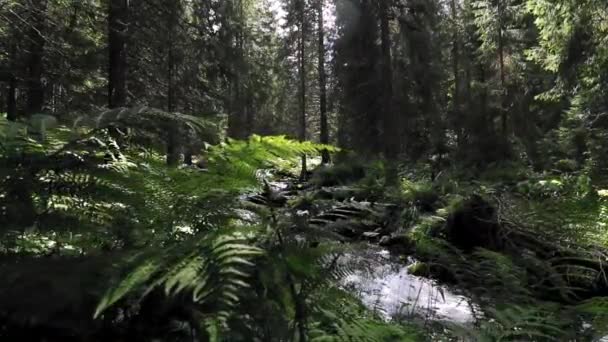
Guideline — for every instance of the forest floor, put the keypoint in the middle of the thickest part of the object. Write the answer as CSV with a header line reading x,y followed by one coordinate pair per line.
x,y
505,255
517,258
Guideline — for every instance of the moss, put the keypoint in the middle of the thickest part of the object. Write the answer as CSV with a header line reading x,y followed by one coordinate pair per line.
x,y
399,244
430,225
304,202
566,165
420,269
474,225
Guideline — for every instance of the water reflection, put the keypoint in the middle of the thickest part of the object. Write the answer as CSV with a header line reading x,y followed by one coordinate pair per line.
x,y
385,285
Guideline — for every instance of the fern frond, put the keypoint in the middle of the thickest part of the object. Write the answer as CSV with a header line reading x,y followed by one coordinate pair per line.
x,y
213,271
596,309
151,122
517,323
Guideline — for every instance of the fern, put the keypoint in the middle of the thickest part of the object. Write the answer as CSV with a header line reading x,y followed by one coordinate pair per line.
x,y
148,124
518,323
343,319
212,271
101,191
596,311
84,180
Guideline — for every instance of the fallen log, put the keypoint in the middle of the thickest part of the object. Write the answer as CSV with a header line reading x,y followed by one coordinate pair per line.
x,y
566,273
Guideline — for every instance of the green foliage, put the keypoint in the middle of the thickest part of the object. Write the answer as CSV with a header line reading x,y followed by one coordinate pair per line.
x,y
505,173
503,87
89,192
422,194
596,310
544,188
566,165
340,174
339,317
245,158
365,330
510,282
517,323
211,271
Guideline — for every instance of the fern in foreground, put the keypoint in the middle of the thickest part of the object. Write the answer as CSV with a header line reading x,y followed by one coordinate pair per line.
x,y
211,271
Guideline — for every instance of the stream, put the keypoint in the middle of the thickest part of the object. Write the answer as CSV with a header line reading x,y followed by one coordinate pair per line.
x,y
385,285
383,282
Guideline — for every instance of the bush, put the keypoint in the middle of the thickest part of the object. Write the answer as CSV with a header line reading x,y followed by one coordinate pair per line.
x,y
566,165
505,173
422,194
340,174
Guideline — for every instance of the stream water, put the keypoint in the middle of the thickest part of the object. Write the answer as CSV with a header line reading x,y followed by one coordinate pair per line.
x,y
385,285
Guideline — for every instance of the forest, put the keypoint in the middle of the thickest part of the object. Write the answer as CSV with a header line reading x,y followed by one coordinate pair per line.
x,y
303,170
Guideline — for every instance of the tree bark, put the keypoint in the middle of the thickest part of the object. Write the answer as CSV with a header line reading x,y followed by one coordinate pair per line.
x,y
35,66
237,119
173,143
487,123
455,70
501,59
249,114
11,100
391,139
11,94
302,71
325,158
118,27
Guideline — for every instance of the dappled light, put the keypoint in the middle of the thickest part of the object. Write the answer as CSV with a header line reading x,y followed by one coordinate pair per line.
x,y
303,170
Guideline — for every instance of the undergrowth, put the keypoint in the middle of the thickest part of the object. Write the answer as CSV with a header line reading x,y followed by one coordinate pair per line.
x,y
178,251
521,291
170,250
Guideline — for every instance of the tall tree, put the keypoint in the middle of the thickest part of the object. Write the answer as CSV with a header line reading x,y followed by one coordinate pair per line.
x,y
456,94
325,158
391,132
234,30
302,73
173,145
11,92
35,63
572,46
501,61
421,95
118,30
356,61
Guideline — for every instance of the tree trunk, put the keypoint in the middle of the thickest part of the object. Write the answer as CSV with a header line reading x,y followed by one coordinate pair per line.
x,y
118,26
35,67
483,98
455,71
173,145
501,59
467,98
235,125
249,114
11,94
11,100
325,158
302,71
391,132
237,119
